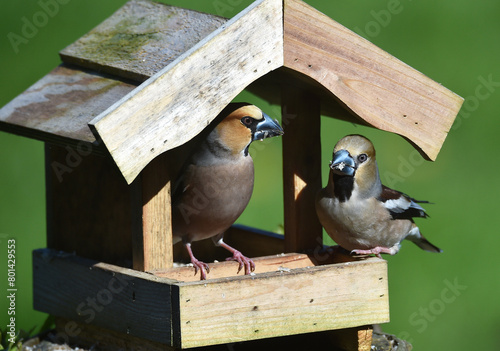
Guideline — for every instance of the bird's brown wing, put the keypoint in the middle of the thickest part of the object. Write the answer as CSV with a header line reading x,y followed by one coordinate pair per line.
x,y
400,205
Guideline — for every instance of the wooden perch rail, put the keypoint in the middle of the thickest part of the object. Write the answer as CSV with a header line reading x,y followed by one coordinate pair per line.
x,y
299,297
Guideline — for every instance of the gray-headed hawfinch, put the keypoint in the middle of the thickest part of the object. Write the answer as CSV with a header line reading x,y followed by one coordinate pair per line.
x,y
358,212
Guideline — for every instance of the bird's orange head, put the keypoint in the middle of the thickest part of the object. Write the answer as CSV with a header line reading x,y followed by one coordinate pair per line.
x,y
244,124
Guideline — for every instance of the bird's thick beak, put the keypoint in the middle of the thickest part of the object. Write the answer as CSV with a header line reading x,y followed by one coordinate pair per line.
x,y
343,163
267,128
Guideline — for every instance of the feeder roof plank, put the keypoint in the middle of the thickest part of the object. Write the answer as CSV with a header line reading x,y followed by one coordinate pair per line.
x,y
190,61
59,106
377,87
159,114
140,38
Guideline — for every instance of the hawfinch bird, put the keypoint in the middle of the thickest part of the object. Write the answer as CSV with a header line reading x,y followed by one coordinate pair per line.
x,y
216,184
358,212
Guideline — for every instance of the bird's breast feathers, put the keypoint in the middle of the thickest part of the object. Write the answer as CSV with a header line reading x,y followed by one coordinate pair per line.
x,y
213,197
357,223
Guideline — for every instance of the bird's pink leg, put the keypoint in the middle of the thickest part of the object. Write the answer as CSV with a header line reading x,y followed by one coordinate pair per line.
x,y
377,251
238,257
197,264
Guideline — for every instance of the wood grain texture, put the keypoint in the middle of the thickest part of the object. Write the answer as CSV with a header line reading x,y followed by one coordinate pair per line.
x,y
103,295
88,336
353,339
301,169
284,303
140,39
152,234
254,242
215,311
377,87
160,114
88,205
59,106
251,241
225,269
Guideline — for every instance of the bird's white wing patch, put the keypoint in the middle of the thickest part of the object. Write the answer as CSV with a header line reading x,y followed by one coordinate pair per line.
x,y
398,205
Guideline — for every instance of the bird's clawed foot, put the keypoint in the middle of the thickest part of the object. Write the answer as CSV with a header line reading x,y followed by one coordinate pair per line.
x,y
237,256
204,268
243,262
376,251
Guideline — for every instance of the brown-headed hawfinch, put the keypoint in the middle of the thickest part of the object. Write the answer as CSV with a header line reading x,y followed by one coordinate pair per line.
x,y
221,173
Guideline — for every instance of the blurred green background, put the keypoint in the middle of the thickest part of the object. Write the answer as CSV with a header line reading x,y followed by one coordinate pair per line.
x,y
447,301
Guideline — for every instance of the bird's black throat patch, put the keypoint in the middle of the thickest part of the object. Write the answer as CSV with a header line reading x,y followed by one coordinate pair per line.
x,y
343,186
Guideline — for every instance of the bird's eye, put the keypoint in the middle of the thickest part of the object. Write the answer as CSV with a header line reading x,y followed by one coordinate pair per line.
x,y
362,158
247,121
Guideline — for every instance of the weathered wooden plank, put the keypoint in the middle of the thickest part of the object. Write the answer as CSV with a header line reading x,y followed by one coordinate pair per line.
x,y
254,242
88,336
250,241
225,269
198,313
159,115
104,295
284,303
88,205
59,106
140,39
152,237
301,169
353,339
377,87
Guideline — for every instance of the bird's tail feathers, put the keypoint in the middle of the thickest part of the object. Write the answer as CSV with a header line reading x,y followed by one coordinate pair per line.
x,y
426,245
418,239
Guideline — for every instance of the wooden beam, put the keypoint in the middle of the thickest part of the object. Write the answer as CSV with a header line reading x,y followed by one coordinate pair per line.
x,y
301,168
160,114
265,264
254,242
120,299
152,223
275,304
377,87
87,336
251,241
186,314
353,339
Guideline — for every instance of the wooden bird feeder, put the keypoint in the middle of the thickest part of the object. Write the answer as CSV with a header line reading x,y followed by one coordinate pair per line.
x,y
117,116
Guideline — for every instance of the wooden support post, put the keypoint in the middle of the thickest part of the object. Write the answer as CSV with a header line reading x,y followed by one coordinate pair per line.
x,y
301,168
353,339
152,234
